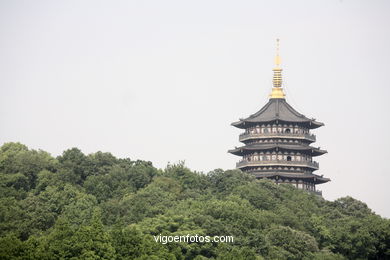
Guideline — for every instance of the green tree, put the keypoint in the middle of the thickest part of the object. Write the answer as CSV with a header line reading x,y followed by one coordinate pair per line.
x,y
11,247
15,158
74,166
225,182
92,241
131,243
288,243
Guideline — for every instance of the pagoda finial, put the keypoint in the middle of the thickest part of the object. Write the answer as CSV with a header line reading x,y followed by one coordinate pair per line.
x,y
277,90
277,57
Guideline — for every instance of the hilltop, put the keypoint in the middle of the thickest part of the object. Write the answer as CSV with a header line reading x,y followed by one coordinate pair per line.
x,y
97,206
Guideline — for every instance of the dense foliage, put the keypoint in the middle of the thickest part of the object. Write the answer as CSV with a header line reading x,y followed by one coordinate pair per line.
x,y
96,206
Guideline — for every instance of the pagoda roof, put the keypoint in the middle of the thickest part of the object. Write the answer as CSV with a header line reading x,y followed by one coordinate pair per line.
x,y
277,109
317,179
280,146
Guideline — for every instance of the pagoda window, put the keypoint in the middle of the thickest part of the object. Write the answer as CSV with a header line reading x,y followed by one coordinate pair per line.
x,y
288,130
273,157
289,158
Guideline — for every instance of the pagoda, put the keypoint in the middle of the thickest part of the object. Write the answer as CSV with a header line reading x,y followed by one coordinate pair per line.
x,y
278,141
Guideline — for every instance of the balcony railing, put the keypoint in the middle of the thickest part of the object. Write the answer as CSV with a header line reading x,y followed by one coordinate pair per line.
x,y
246,136
281,163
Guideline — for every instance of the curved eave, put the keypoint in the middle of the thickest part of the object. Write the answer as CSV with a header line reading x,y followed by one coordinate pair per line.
x,y
245,123
316,179
244,149
315,124
239,124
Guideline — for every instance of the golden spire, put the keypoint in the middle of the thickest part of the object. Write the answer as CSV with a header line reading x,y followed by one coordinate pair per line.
x,y
277,90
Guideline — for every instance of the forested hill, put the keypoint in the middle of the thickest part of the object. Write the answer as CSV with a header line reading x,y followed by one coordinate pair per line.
x,y
96,206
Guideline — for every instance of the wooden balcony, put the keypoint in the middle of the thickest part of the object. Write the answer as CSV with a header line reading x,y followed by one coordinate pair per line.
x,y
278,163
248,136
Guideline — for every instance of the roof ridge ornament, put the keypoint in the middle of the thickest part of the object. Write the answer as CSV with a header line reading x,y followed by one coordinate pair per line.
x,y
277,90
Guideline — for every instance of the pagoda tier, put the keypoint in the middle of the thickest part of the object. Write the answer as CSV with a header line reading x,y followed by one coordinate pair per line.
x,y
277,148
277,142
256,135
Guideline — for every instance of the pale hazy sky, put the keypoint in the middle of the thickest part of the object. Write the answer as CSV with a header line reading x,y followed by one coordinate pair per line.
x,y
163,80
